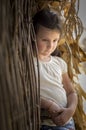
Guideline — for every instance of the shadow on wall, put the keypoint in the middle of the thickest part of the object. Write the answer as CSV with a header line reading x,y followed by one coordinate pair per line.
x,y
82,81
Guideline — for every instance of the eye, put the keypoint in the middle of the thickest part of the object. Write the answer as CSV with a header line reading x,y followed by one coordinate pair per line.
x,y
55,40
45,40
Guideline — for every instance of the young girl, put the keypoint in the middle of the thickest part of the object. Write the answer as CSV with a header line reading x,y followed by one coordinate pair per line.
x,y
58,98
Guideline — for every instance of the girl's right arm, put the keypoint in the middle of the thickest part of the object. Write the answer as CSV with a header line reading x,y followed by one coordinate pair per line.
x,y
45,103
50,106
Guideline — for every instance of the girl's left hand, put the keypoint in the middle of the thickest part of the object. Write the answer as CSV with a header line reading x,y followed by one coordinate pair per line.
x,y
64,115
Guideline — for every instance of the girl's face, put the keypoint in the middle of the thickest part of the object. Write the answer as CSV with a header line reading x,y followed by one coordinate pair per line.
x,y
47,40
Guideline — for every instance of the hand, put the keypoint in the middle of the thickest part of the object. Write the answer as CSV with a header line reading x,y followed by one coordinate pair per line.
x,y
54,109
64,115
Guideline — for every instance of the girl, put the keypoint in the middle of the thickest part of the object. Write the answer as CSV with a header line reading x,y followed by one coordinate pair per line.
x,y
58,98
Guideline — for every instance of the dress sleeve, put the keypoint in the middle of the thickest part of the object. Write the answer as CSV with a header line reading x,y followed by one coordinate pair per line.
x,y
63,66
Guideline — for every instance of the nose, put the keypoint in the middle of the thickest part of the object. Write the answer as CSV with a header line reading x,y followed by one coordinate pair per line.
x,y
50,45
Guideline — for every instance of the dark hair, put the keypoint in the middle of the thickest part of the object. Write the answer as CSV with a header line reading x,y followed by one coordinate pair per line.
x,y
48,18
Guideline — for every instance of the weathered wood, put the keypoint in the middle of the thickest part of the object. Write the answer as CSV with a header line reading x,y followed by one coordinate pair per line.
x,y
19,89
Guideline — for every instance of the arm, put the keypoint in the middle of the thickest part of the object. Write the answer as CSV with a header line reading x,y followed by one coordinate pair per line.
x,y
71,95
68,112
50,106
45,103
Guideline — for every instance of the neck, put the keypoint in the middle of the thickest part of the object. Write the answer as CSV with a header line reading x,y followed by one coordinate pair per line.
x,y
44,58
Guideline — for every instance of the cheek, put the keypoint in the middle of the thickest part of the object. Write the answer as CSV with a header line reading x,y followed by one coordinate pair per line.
x,y
55,46
40,45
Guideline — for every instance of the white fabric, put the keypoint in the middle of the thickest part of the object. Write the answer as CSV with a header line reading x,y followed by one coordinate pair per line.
x,y
51,86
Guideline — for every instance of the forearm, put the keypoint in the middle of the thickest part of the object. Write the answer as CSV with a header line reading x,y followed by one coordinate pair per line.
x,y
45,103
71,94
51,107
72,102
